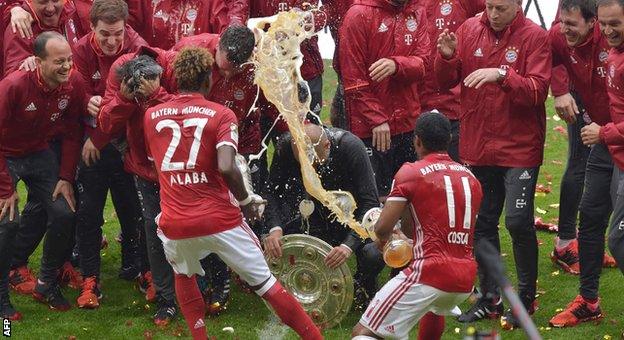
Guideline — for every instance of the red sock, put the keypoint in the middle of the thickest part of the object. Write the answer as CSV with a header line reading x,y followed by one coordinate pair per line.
x,y
192,304
291,313
431,326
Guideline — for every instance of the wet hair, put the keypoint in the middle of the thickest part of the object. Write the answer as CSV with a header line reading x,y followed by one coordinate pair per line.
x,y
434,131
587,7
39,45
138,68
238,43
192,68
610,2
108,11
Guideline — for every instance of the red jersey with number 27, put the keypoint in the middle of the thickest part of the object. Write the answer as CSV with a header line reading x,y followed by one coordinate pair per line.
x,y
182,136
443,198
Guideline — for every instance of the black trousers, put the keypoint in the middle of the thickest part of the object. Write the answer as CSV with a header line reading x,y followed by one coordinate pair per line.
x,y
162,273
338,115
453,149
93,184
40,171
616,234
386,164
513,188
572,181
595,208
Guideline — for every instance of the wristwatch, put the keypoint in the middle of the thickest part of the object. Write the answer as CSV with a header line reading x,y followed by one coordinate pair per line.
x,y
502,73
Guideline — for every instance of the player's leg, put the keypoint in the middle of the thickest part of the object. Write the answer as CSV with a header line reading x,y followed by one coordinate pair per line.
x,y
616,234
431,326
184,257
492,181
369,264
397,307
162,273
240,249
8,230
520,222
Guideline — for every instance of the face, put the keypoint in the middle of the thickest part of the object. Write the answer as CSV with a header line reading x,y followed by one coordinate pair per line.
x,y
55,67
322,151
226,68
501,13
574,27
48,11
109,36
611,20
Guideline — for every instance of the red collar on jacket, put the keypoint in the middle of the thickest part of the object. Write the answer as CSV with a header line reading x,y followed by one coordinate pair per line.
x,y
408,7
518,22
437,156
66,13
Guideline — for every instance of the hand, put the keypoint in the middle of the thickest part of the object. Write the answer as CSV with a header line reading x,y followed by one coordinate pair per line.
x,y
481,77
447,43
337,256
21,21
148,87
591,134
28,64
125,91
94,105
90,154
9,205
273,244
65,189
382,69
566,108
381,137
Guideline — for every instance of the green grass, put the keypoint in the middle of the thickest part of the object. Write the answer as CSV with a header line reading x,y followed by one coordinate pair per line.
x,y
124,313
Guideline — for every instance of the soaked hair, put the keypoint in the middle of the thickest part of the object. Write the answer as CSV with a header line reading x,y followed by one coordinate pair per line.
x,y
587,7
39,45
108,11
238,43
434,131
192,68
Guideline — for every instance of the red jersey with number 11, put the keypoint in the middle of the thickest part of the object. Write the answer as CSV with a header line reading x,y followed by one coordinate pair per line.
x,y
443,198
182,136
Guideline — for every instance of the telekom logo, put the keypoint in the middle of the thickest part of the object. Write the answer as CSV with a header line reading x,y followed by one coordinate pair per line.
x,y
282,6
439,23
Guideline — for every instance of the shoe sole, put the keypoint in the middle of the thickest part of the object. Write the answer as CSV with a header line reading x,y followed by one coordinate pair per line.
x,y
597,317
562,264
39,298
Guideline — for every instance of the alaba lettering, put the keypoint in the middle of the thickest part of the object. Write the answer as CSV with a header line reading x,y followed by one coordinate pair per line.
x,y
188,178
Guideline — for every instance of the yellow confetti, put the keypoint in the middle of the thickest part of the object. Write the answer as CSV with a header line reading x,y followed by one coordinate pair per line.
x,y
84,329
540,194
548,328
471,331
556,118
554,206
607,337
559,310
457,330
555,273
146,306
541,211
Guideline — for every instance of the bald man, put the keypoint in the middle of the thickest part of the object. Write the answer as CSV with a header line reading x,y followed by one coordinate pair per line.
x,y
342,164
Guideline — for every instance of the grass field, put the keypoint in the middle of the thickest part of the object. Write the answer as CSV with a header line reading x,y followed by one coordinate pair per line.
x,y
124,313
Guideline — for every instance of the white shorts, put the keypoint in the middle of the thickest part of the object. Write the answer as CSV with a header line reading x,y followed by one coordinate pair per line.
x,y
401,302
239,248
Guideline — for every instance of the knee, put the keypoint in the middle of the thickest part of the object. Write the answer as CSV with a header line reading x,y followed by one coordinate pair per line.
x,y
616,242
61,215
360,332
520,225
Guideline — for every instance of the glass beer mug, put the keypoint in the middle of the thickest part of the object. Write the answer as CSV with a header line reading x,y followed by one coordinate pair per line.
x,y
398,251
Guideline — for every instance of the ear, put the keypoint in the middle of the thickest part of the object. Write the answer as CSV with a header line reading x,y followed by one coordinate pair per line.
x,y
38,61
91,26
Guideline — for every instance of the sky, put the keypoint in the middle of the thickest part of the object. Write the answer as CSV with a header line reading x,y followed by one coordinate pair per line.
x,y
548,8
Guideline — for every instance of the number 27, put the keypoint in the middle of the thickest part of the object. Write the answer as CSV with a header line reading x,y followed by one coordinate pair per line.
x,y
176,135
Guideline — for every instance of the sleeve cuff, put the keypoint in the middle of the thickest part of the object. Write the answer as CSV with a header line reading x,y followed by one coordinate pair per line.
x,y
347,247
275,228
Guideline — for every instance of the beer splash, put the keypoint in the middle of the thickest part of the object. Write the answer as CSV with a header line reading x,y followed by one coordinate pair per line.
x,y
277,61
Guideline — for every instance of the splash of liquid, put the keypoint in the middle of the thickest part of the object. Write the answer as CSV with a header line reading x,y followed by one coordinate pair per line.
x,y
277,62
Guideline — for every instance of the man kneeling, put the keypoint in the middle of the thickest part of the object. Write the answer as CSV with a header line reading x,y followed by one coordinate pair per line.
x,y
193,143
441,199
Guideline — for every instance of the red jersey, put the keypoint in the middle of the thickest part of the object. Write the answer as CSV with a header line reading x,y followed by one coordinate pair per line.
x,y
441,15
586,67
375,29
16,48
30,111
237,93
444,199
502,124
93,65
612,134
183,136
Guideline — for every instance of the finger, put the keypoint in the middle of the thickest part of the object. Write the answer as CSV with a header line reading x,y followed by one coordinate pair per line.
x,y
69,197
384,142
375,140
28,30
375,71
4,210
480,83
12,211
388,140
55,194
572,119
21,30
14,27
469,78
374,65
385,73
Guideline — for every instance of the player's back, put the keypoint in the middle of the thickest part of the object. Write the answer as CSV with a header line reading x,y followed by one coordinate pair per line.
x,y
182,137
444,198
